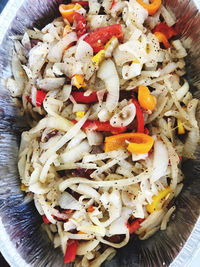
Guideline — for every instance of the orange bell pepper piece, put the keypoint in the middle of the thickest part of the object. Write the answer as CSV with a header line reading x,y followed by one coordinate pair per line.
x,y
146,100
137,143
152,7
78,81
162,39
68,11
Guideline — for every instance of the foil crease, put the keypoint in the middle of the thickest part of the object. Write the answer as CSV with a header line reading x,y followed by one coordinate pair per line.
x,y
20,224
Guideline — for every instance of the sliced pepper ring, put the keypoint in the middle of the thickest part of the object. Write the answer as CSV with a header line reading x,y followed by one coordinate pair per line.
x,y
152,7
137,143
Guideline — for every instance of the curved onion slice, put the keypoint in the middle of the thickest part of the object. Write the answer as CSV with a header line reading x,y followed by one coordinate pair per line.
x,y
160,160
124,117
108,73
66,201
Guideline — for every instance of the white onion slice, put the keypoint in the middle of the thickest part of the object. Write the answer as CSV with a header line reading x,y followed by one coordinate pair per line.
x,y
124,117
67,201
160,160
108,73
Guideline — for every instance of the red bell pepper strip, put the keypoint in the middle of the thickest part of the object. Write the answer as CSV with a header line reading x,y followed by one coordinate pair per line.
x,y
169,32
139,115
40,96
113,4
84,4
101,126
79,97
71,249
134,225
45,220
81,25
100,36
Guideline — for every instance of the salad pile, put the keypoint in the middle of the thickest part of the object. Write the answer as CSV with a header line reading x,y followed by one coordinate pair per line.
x,y
111,115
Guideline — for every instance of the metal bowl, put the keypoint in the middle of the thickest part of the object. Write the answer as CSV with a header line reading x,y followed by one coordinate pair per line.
x,y
22,240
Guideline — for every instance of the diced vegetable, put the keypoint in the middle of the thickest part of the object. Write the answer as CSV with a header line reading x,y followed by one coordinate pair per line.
x,y
134,225
99,37
146,100
139,115
181,129
80,114
169,32
40,96
162,39
45,220
78,81
158,200
79,97
99,57
68,11
101,127
91,208
81,25
71,249
137,143
152,7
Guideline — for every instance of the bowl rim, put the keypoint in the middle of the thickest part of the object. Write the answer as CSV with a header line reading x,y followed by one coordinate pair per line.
x,y
189,251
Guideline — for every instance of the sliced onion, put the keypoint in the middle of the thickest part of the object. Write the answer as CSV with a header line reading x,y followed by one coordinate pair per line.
x,y
86,246
94,138
88,191
118,227
108,73
160,160
83,51
56,52
33,95
124,117
67,201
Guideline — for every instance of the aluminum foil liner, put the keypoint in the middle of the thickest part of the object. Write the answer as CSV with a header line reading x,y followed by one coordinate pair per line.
x,y
22,240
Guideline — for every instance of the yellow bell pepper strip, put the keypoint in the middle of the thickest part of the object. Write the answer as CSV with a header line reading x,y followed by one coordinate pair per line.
x,y
146,100
99,57
71,250
158,200
68,11
181,129
80,114
78,81
138,143
162,39
152,7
